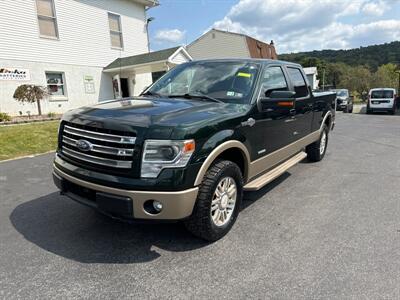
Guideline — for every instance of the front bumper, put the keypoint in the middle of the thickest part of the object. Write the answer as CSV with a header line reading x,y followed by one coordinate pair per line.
x,y
126,204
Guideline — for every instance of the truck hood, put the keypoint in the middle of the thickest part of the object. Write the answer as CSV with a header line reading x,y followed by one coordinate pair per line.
x,y
160,114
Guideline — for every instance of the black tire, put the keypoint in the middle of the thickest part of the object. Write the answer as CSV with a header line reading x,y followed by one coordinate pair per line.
x,y
369,111
200,222
314,150
392,112
351,110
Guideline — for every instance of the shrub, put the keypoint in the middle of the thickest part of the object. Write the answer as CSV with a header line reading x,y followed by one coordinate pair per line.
x,y
31,93
51,114
4,117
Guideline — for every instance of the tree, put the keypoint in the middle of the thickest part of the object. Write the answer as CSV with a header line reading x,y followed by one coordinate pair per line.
x,y
31,93
385,76
357,79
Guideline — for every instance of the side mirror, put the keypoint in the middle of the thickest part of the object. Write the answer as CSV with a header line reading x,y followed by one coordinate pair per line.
x,y
277,95
277,101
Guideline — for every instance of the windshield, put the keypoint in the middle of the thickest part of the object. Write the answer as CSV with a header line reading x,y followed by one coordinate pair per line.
x,y
382,94
227,81
342,93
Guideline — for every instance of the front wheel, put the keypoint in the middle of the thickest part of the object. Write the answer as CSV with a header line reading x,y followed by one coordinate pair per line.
x,y
316,151
218,202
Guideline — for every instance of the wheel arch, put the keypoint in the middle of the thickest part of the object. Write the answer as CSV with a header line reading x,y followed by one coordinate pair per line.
x,y
227,150
327,120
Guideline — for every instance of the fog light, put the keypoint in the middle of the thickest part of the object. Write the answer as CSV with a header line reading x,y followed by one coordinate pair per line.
x,y
157,205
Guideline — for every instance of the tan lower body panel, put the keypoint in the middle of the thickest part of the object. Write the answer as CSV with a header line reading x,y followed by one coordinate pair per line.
x,y
263,180
264,163
176,205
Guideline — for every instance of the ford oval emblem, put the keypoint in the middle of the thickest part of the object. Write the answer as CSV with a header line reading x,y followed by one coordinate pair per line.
x,y
84,145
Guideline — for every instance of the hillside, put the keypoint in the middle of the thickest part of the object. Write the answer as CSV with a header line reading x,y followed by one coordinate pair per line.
x,y
372,56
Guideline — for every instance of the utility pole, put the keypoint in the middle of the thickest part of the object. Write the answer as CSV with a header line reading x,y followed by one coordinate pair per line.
x,y
398,91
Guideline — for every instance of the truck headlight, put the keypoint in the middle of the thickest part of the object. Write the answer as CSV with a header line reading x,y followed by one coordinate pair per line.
x,y
161,154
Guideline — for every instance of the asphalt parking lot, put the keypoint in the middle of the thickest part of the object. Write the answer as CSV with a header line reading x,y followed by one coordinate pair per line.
x,y
325,230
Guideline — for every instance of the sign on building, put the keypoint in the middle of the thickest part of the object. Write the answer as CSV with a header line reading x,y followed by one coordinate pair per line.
x,y
89,84
15,74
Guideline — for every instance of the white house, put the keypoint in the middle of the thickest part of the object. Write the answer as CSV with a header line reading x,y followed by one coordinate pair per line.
x,y
312,74
65,45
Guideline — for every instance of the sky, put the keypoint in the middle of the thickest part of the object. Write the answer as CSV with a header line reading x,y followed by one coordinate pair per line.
x,y
293,25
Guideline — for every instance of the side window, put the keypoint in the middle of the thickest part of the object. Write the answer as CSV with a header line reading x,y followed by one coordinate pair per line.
x,y
274,79
300,85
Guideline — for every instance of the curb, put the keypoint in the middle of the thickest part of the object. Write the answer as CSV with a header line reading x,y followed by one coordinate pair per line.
x,y
29,121
27,156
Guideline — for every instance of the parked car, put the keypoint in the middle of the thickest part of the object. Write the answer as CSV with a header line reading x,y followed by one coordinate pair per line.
x,y
193,142
344,100
382,99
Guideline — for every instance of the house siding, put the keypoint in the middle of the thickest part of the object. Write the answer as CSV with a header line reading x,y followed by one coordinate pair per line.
x,y
224,45
76,95
84,37
83,49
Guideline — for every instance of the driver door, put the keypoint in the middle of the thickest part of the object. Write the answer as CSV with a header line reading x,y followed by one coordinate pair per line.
x,y
274,119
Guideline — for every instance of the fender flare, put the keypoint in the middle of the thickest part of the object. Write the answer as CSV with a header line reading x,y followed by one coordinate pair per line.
x,y
329,113
232,144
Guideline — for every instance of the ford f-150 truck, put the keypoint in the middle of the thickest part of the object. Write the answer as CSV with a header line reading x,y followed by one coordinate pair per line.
x,y
188,147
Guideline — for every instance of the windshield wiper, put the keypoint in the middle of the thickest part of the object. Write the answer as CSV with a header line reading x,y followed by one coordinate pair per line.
x,y
149,93
197,96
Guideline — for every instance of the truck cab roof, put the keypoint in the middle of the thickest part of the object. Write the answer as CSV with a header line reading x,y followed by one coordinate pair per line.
x,y
251,60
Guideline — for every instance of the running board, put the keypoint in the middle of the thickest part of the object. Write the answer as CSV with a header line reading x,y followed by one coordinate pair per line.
x,y
263,180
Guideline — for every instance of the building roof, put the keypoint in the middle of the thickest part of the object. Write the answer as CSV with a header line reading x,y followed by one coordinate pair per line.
x,y
142,58
149,3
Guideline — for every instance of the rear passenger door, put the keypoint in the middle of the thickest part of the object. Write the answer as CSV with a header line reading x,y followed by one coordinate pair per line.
x,y
303,116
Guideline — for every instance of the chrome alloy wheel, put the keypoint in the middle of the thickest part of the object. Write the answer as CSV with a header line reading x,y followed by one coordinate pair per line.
x,y
223,201
322,143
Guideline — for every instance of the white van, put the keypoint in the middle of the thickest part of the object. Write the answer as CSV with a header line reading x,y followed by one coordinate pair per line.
x,y
381,99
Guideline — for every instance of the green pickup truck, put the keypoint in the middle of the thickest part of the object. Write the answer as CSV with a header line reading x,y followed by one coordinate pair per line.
x,y
193,142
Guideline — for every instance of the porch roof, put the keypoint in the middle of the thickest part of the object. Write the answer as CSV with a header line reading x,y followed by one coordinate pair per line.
x,y
141,59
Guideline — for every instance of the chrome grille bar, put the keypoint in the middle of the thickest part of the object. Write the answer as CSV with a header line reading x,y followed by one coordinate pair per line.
x,y
101,148
105,137
97,160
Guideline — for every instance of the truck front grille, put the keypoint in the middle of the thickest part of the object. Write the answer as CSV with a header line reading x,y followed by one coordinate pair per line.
x,y
92,145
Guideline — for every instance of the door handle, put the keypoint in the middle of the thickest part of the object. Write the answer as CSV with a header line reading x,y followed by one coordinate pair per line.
x,y
292,111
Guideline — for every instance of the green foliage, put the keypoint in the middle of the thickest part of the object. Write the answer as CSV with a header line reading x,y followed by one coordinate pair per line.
x,y
386,76
4,117
371,56
357,70
357,79
31,93
51,114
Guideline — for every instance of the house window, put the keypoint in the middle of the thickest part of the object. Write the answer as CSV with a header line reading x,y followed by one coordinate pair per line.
x,y
47,18
114,22
56,84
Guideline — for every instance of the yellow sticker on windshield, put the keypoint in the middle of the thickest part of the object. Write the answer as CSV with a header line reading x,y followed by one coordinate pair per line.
x,y
241,74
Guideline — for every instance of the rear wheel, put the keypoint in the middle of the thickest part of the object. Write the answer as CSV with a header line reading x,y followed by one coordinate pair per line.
x,y
316,151
218,201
